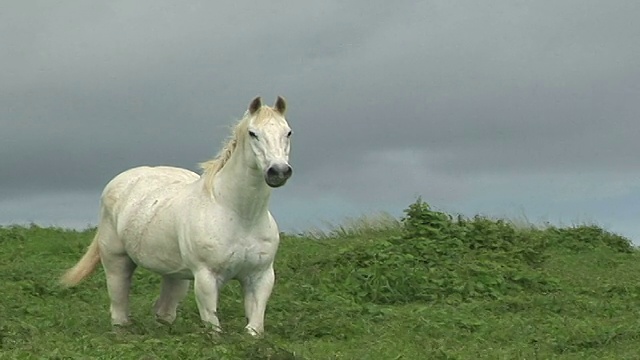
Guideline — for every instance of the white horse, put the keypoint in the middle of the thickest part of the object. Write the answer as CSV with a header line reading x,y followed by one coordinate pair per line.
x,y
210,228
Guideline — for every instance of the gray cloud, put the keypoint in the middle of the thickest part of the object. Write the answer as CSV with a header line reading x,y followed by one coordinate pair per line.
x,y
388,100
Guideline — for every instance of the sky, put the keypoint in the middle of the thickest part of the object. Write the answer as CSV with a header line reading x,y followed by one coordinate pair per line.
x,y
518,109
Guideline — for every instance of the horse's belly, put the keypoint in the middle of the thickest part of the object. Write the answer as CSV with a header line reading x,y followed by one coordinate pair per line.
x,y
162,266
159,255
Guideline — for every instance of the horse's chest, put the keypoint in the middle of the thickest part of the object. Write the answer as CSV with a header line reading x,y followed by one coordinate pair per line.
x,y
243,257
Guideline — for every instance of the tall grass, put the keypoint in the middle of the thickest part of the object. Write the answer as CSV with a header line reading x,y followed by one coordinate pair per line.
x,y
355,226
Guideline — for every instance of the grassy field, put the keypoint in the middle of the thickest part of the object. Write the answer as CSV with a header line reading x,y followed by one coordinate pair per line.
x,y
433,287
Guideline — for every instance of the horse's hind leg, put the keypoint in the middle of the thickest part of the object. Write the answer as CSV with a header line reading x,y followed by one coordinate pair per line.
x,y
171,293
118,269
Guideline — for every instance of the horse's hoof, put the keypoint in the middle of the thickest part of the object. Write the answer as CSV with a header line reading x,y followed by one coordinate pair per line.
x,y
212,331
165,320
121,329
251,331
121,324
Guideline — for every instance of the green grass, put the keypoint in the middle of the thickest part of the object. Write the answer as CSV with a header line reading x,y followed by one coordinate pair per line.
x,y
433,287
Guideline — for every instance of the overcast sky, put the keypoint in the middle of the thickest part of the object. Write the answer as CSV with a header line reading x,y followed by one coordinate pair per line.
x,y
504,108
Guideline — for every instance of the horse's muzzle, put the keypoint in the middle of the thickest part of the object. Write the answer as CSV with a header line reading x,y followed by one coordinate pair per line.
x,y
278,174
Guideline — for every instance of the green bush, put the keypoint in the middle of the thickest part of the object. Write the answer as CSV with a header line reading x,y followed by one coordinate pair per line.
x,y
588,237
437,258
12,234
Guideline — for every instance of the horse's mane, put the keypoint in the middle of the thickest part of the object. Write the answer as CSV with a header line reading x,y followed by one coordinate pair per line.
x,y
213,166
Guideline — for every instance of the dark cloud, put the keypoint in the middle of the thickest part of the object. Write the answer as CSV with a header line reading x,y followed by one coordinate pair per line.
x,y
387,100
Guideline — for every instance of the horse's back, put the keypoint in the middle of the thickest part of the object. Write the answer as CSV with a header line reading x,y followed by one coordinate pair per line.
x,y
132,185
139,192
138,214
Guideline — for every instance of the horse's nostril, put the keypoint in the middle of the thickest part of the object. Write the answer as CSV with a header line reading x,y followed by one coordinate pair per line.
x,y
272,171
283,171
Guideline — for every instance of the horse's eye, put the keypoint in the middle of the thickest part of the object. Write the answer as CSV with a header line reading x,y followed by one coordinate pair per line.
x,y
252,134
289,134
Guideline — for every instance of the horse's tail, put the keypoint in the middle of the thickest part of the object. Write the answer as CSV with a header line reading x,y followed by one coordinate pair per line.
x,y
84,267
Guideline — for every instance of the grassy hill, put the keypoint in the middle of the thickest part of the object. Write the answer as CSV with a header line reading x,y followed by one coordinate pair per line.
x,y
431,287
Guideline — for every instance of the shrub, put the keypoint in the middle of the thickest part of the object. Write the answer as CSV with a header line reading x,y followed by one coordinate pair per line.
x,y
12,233
588,237
437,258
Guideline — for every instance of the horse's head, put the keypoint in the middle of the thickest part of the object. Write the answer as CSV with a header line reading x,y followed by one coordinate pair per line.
x,y
269,137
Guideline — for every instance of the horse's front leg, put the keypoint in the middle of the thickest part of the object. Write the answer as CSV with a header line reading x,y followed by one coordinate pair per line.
x,y
257,289
207,290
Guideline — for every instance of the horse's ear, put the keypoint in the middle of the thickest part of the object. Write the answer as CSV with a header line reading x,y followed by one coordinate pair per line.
x,y
255,105
281,105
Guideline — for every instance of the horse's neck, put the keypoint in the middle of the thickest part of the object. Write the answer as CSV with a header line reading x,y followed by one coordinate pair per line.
x,y
242,189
